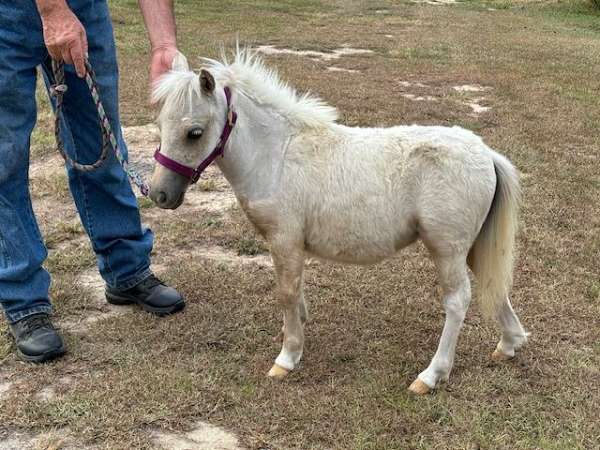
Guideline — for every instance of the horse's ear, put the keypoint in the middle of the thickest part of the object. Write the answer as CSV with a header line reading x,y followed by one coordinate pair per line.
x,y
207,82
180,63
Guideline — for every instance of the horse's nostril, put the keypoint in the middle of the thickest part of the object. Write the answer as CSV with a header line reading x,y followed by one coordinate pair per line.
x,y
161,198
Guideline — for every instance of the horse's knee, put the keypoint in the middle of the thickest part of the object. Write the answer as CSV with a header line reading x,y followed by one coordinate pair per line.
x,y
455,306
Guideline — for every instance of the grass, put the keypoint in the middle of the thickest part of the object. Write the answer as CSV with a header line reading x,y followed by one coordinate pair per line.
x,y
72,259
593,292
51,184
372,330
207,185
350,391
250,246
42,140
70,297
145,203
61,231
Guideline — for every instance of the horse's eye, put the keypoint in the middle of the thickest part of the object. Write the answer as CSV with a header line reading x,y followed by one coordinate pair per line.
x,y
195,133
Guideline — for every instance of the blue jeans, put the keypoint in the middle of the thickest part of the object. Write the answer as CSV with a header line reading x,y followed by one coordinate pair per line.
x,y
104,198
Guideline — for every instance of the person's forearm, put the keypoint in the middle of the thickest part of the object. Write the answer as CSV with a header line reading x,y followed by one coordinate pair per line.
x,y
46,7
160,22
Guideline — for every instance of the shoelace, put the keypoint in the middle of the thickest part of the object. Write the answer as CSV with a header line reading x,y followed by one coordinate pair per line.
x,y
35,323
151,282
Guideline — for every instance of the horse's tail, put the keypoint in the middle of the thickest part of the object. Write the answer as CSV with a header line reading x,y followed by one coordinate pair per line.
x,y
492,256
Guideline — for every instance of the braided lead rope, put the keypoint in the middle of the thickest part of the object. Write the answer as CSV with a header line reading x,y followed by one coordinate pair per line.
x,y
108,138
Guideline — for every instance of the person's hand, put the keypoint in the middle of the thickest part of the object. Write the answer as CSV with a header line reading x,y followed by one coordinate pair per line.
x,y
161,62
65,38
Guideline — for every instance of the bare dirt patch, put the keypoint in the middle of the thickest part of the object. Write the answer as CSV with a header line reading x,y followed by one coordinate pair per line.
x,y
436,2
422,92
212,201
314,54
5,386
97,308
341,69
221,255
142,141
471,88
50,391
477,107
419,98
27,441
203,436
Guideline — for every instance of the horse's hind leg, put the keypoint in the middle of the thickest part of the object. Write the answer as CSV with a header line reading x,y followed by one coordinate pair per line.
x,y
289,265
452,272
513,334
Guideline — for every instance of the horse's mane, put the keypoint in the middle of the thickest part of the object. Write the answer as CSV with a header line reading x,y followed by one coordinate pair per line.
x,y
248,75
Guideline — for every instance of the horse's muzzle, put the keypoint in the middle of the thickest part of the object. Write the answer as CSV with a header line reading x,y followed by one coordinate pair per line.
x,y
163,201
167,189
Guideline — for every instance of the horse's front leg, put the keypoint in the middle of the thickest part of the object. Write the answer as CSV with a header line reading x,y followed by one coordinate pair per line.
x,y
303,314
457,296
289,265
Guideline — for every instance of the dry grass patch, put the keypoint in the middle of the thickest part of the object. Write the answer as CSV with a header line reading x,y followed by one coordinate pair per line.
x,y
42,140
70,297
72,258
372,330
60,231
207,185
51,184
230,230
145,203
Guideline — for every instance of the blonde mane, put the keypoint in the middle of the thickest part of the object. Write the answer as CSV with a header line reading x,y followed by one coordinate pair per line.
x,y
247,75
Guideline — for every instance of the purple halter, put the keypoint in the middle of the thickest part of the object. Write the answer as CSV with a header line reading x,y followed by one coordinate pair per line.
x,y
190,172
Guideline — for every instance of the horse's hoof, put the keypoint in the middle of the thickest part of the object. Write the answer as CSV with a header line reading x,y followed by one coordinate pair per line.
x,y
419,388
498,356
277,372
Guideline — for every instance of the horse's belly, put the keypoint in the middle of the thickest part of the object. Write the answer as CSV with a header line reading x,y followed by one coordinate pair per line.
x,y
348,245
348,254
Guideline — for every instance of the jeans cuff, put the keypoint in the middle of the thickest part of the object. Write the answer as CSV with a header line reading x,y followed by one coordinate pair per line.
x,y
133,281
13,317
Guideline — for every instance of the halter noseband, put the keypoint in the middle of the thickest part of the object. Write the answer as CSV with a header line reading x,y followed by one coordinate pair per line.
x,y
190,172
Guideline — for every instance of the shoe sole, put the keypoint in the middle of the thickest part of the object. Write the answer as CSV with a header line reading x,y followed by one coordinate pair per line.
x,y
122,301
44,357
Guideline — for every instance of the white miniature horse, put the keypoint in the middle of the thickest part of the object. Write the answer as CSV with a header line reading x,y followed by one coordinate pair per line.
x,y
313,187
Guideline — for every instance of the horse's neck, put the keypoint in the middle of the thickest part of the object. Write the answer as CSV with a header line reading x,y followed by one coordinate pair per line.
x,y
253,160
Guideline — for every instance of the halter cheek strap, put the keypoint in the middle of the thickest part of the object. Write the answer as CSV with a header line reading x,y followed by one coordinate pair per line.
x,y
194,174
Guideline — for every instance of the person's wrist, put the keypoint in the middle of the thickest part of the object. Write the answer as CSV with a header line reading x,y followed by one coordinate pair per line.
x,y
164,47
52,8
